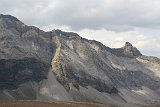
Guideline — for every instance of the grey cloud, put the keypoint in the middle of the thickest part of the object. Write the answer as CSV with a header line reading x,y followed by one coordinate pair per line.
x,y
117,15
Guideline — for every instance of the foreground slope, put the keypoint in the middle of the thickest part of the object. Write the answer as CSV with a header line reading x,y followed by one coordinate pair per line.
x,y
49,104
63,66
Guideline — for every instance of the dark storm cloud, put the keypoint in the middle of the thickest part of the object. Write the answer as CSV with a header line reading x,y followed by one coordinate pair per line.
x,y
92,14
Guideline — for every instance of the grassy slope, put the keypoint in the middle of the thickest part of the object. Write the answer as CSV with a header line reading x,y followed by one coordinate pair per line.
x,y
47,104
52,104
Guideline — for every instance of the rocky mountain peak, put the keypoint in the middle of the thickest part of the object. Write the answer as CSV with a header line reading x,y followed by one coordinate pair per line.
x,y
12,23
130,50
127,51
128,44
8,17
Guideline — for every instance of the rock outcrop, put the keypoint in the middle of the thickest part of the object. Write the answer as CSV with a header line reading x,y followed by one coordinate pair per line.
x,y
57,65
127,51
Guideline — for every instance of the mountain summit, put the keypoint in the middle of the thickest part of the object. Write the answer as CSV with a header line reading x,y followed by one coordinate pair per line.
x,y
57,65
131,51
127,51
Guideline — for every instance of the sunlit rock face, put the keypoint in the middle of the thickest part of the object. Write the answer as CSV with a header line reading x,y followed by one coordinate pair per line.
x,y
57,65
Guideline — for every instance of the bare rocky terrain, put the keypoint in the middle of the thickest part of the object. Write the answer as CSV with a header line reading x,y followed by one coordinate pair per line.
x,y
57,65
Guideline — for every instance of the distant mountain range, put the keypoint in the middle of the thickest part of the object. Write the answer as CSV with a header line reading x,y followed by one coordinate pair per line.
x,y
57,65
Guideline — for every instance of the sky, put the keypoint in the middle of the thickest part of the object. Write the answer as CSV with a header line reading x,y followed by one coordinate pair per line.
x,y
112,22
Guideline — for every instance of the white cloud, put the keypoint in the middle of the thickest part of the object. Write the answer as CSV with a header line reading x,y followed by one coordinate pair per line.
x,y
116,15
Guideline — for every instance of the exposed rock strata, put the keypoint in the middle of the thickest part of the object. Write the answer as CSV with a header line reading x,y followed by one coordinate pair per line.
x,y
61,65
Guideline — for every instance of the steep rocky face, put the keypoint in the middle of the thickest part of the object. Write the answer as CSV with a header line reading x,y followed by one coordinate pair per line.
x,y
19,41
68,67
23,47
83,64
61,65
25,56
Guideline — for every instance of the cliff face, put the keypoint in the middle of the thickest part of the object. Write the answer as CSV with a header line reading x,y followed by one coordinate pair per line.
x,y
90,71
25,56
63,66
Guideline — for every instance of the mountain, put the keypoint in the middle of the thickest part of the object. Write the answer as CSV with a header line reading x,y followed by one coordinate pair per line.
x,y
57,65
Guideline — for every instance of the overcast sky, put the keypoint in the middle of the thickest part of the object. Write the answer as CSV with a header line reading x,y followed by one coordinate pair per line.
x,y
112,22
